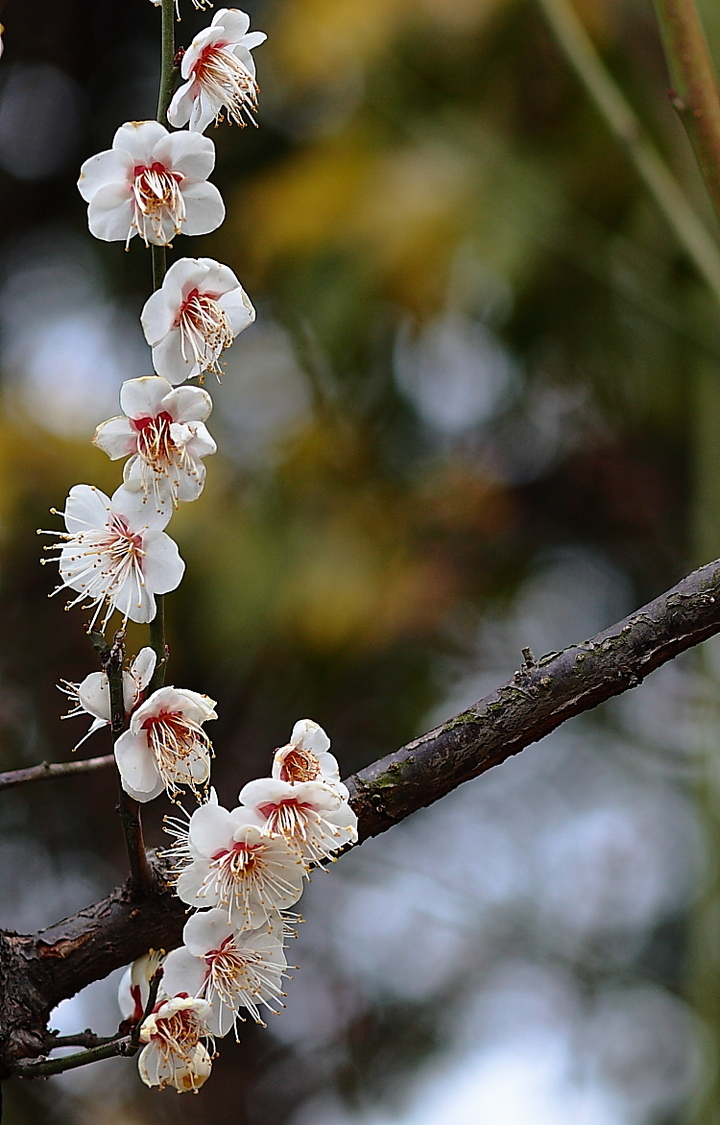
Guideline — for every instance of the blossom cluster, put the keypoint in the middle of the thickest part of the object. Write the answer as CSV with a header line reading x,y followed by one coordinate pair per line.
x,y
240,870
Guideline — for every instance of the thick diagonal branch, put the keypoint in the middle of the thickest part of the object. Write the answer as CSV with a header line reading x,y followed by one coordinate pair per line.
x,y
40,970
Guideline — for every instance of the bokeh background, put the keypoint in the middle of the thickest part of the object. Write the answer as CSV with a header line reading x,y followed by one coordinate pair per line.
x,y
479,410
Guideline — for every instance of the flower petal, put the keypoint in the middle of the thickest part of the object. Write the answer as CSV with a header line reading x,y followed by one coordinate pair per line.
x,y
188,404
211,830
162,565
110,214
169,361
188,154
139,138
253,39
142,398
104,168
207,931
181,105
238,308
233,22
136,763
134,599
94,695
143,666
141,517
183,971
86,507
205,209
116,437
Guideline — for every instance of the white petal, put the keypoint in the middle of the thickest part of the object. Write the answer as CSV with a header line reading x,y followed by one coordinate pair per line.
x,y
190,886
191,486
143,797
135,600
140,139
240,312
143,666
103,169
150,1065
181,105
309,735
207,931
158,315
126,1001
188,404
86,507
211,830
233,22
204,111
183,972
253,40
130,692
162,566
116,437
244,57
222,1019
202,40
205,209
218,278
265,791
168,359
201,444
141,398
199,707
136,762
94,695
191,156
110,214
140,516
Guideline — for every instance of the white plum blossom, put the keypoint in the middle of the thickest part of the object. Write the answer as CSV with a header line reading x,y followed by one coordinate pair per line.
x,y
219,74
134,987
173,1054
227,861
115,551
308,814
306,758
152,183
163,434
92,696
195,315
230,970
165,746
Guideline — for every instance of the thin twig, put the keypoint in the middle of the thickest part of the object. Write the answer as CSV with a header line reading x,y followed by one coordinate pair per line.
x,y
85,1038
141,873
47,770
585,60
695,95
44,1068
155,980
168,72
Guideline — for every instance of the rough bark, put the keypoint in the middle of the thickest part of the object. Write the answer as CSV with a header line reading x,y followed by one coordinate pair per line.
x,y
37,971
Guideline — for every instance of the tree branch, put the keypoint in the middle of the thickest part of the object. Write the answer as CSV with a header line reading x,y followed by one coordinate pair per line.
x,y
40,970
695,95
53,769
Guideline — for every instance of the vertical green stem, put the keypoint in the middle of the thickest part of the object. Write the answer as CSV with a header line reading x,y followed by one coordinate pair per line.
x,y
141,873
159,269
695,95
167,64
